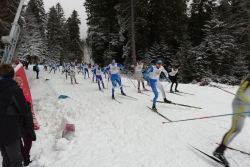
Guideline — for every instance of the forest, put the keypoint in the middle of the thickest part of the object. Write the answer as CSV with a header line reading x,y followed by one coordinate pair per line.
x,y
206,39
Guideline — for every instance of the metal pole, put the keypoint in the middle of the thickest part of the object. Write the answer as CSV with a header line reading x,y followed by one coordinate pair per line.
x,y
16,18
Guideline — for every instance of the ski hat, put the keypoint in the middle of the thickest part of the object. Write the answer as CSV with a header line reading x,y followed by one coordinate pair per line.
x,y
113,61
158,61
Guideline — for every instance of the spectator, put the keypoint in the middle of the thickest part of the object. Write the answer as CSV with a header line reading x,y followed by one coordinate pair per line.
x,y
13,106
37,71
26,142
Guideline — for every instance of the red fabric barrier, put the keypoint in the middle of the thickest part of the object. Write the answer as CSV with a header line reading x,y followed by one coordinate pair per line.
x,y
26,90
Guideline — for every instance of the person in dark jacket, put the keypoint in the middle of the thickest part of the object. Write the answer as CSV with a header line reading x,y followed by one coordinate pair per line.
x,y
13,106
26,138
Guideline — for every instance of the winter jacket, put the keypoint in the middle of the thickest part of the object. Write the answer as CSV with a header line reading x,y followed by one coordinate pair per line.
x,y
37,68
13,107
24,131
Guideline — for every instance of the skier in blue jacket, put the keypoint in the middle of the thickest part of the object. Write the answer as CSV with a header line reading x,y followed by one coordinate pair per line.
x,y
98,71
154,73
114,69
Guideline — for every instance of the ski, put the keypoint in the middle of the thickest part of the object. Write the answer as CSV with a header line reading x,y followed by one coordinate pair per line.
x,y
179,104
186,93
211,157
117,101
127,96
159,114
144,94
175,93
125,86
236,150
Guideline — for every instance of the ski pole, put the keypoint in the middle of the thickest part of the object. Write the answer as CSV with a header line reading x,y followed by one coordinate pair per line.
x,y
166,85
128,80
108,83
223,89
235,149
131,81
207,117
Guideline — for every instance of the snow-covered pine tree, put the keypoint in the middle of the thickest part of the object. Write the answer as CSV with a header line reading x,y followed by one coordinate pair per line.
x,y
31,43
74,33
160,51
53,35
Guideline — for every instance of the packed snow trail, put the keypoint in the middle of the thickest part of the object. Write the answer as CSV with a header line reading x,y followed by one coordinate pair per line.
x,y
109,134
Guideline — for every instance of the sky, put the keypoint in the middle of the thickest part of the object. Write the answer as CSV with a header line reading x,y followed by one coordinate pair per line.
x,y
68,7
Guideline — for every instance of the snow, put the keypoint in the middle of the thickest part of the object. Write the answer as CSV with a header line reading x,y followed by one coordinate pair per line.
x,y
109,134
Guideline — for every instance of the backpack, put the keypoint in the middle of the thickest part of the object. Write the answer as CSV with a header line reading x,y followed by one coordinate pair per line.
x,y
34,68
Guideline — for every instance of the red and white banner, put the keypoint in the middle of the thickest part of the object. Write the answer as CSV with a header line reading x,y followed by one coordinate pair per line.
x,y
19,70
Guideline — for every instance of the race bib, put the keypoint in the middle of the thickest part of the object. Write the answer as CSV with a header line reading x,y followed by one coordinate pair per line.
x,y
157,72
113,68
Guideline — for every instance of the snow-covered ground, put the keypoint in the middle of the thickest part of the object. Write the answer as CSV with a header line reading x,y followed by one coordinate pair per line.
x,y
109,134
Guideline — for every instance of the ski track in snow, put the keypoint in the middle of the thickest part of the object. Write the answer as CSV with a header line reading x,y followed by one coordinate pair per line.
x,y
109,134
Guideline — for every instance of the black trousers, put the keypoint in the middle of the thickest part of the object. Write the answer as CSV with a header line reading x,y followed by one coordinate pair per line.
x,y
11,153
37,73
174,81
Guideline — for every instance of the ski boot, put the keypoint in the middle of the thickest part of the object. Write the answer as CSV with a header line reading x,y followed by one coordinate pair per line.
x,y
218,153
26,161
171,91
76,83
166,100
113,96
154,108
145,89
176,90
139,91
100,89
123,93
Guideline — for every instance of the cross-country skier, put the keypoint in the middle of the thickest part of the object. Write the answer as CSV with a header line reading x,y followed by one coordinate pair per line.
x,y
66,69
98,72
72,74
241,103
173,73
58,66
53,67
139,75
154,74
86,70
114,69
94,75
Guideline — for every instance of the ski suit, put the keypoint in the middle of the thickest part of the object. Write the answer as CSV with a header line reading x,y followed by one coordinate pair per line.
x,y
98,72
154,74
139,75
241,103
72,75
114,70
86,70
94,74
173,77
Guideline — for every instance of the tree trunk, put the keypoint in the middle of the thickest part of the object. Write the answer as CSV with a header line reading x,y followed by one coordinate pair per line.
x,y
133,53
